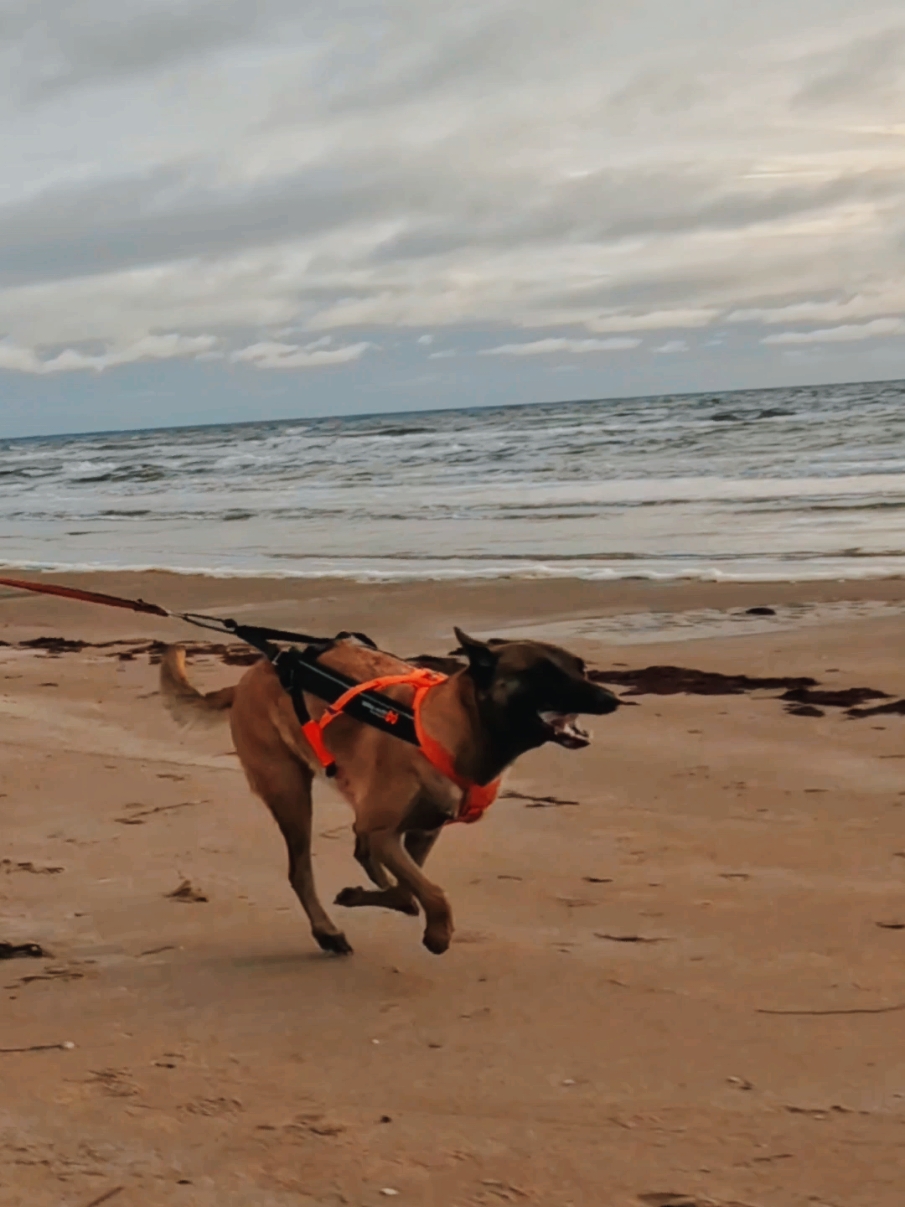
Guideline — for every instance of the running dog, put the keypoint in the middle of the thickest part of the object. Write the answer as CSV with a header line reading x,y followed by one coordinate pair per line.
x,y
509,697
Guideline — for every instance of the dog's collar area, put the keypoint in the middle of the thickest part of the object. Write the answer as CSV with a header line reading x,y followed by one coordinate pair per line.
x,y
300,672
476,798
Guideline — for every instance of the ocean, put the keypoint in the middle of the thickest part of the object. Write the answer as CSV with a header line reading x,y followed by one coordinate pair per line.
x,y
791,484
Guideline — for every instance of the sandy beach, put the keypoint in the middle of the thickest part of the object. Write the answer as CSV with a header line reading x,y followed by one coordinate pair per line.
x,y
677,977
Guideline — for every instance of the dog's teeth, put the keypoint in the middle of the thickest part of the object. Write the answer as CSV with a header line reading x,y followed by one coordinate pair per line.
x,y
565,729
558,718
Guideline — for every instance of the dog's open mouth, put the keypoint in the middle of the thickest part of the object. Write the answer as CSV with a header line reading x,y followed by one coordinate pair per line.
x,y
564,729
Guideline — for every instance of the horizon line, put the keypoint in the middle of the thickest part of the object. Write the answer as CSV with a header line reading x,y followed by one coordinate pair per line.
x,y
502,406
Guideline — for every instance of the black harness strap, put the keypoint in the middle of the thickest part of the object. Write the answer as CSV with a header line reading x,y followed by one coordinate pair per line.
x,y
300,672
261,638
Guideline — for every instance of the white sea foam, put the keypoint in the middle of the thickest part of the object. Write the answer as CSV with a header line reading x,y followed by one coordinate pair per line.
x,y
476,573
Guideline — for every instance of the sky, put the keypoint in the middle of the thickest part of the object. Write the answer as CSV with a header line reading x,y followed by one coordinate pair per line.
x,y
217,210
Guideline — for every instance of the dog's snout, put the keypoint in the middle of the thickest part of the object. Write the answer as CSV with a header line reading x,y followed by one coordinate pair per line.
x,y
606,702
612,703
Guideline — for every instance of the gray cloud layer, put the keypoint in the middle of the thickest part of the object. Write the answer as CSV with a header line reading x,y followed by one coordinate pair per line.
x,y
220,171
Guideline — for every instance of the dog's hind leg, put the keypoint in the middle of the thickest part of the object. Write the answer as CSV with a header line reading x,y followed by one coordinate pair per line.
x,y
285,787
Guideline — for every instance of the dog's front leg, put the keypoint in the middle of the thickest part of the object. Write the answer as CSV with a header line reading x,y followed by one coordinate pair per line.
x,y
418,843
386,896
363,856
387,848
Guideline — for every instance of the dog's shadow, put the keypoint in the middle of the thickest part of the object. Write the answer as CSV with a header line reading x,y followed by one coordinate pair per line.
x,y
278,960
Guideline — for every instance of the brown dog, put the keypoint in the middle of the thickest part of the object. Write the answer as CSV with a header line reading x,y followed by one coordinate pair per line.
x,y
511,697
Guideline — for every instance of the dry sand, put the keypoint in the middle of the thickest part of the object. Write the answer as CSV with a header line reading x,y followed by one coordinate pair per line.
x,y
682,984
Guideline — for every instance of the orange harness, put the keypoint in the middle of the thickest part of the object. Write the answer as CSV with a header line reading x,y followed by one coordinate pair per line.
x,y
476,799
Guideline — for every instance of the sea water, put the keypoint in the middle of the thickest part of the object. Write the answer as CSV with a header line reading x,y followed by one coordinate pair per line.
x,y
801,483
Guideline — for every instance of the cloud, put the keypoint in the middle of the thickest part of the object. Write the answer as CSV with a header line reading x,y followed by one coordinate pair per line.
x,y
543,347
231,169
96,41
847,333
445,354
673,345
270,354
149,347
425,340
862,305
869,67
656,320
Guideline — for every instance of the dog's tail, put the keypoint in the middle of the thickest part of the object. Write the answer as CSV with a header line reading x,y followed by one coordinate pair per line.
x,y
184,702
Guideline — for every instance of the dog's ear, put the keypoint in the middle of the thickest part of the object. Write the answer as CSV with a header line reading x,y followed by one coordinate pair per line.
x,y
481,658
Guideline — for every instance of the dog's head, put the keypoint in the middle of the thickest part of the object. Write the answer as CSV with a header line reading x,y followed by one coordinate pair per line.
x,y
533,690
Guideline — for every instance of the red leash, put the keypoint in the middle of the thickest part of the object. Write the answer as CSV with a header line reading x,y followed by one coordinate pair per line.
x,y
113,601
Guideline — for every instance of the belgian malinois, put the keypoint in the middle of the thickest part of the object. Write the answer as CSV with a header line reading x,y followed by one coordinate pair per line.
x,y
509,697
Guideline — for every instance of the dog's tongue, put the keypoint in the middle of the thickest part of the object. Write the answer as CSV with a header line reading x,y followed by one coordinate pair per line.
x,y
565,730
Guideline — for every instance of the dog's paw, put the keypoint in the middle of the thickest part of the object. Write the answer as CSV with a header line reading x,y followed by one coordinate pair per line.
x,y
437,939
337,943
349,897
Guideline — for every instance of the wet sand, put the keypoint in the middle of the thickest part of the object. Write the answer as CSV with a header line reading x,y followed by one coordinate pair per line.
x,y
677,976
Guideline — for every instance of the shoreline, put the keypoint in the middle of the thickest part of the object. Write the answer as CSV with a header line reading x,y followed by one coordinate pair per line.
x,y
879,586
403,615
